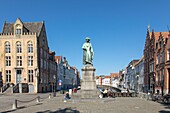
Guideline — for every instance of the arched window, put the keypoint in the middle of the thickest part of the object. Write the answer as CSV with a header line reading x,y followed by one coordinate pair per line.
x,y
7,47
18,47
30,47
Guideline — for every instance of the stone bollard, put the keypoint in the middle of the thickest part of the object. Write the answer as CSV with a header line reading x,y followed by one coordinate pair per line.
x,y
38,99
14,106
49,96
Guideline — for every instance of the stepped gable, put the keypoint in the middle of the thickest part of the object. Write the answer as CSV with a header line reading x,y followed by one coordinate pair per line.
x,y
157,34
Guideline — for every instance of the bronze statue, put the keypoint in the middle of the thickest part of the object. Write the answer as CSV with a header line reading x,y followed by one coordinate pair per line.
x,y
87,52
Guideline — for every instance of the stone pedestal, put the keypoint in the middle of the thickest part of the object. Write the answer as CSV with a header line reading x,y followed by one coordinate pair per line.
x,y
88,78
88,86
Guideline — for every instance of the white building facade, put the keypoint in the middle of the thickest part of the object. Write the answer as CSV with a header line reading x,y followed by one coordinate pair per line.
x,y
139,71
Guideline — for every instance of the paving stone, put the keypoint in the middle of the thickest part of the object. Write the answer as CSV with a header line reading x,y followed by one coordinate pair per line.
x,y
57,105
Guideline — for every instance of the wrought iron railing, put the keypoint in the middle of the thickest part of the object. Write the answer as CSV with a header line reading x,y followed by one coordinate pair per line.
x,y
5,87
16,88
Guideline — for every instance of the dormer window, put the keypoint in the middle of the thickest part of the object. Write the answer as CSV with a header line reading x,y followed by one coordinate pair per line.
x,y
18,31
7,47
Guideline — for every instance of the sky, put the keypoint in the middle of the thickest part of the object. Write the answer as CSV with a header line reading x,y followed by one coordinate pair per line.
x,y
117,28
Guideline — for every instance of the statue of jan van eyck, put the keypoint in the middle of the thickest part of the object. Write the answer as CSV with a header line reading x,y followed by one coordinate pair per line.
x,y
88,53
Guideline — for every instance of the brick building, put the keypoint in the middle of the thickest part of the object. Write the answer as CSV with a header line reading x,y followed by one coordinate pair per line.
x,y
149,61
157,62
162,62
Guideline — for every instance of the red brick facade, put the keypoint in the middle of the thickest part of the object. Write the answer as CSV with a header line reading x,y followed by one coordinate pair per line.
x,y
157,62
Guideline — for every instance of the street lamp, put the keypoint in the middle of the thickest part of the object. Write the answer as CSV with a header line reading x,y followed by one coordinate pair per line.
x,y
54,93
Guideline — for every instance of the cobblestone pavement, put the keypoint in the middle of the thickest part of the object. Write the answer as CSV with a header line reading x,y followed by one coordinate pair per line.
x,y
56,105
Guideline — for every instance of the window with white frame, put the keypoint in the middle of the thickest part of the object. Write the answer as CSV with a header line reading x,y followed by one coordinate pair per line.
x,y
156,60
7,47
18,31
151,67
8,60
30,76
19,60
30,60
168,54
18,47
8,75
30,47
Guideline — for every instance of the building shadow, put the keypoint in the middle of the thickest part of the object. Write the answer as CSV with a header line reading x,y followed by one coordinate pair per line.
x,y
166,105
65,110
164,111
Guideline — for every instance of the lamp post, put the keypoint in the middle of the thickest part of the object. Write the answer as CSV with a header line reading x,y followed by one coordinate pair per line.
x,y
54,93
162,87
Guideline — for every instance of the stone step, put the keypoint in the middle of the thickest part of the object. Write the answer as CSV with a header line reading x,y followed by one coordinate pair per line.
x,y
8,91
